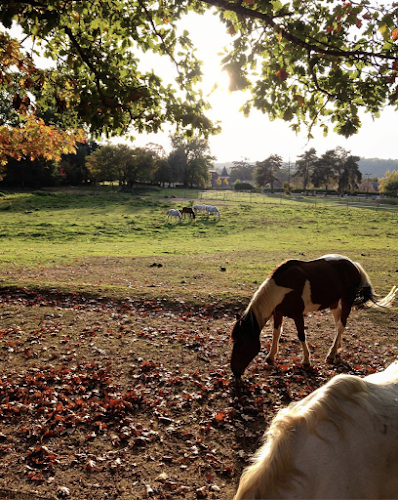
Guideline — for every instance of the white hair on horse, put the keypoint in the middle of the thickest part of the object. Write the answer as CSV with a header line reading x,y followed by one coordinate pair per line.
x,y
338,442
174,213
199,208
210,209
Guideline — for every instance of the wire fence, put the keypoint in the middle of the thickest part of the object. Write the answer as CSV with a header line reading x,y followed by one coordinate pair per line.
x,y
364,202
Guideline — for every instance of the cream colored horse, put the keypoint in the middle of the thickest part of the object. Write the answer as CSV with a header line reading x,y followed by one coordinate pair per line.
x,y
210,209
341,441
174,213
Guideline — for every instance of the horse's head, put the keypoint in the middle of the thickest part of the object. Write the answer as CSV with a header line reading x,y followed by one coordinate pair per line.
x,y
246,338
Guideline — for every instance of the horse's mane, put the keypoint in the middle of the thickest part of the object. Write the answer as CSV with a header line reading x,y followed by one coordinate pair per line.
x,y
265,299
274,462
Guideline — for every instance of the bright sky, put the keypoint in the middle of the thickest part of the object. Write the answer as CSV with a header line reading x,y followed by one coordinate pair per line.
x,y
256,137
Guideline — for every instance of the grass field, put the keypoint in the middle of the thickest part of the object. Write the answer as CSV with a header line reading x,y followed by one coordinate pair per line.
x,y
109,240
115,335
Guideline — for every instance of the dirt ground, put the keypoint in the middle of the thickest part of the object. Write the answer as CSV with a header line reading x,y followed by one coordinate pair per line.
x,y
101,399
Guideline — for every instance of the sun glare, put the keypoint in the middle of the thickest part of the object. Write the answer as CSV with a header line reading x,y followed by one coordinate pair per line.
x,y
222,83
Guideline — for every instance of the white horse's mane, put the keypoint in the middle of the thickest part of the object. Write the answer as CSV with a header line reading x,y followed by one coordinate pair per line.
x,y
274,461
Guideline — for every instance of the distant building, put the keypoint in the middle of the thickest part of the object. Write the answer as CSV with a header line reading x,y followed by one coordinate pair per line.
x,y
219,181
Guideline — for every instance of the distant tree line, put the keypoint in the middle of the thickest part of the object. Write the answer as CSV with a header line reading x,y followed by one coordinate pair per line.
x,y
188,165
335,169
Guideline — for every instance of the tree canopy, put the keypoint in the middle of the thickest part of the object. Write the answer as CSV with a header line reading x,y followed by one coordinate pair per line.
x,y
314,62
336,166
309,63
389,183
265,171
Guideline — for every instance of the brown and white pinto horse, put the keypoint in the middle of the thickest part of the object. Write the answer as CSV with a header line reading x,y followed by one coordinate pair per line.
x,y
294,288
338,442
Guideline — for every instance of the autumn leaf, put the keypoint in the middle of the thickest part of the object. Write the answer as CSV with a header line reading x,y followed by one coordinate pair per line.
x,y
282,74
220,416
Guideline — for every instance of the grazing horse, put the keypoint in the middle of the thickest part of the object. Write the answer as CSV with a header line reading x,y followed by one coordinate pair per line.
x,y
200,208
295,288
189,211
212,210
338,442
174,213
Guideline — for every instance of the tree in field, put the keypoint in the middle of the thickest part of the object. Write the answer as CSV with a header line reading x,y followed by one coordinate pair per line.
x,y
346,169
197,173
389,183
305,166
73,167
178,162
163,172
309,63
241,171
141,168
266,170
30,174
324,173
351,176
190,161
122,164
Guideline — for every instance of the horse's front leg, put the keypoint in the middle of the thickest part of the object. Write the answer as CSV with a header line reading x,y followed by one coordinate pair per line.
x,y
299,321
340,314
278,320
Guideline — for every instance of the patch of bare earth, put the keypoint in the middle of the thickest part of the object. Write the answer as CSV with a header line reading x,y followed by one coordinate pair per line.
x,y
102,399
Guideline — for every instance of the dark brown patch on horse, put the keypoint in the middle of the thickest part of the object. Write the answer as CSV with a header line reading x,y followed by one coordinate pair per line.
x,y
333,281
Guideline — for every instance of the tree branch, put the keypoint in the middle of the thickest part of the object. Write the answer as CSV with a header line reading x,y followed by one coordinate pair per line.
x,y
269,21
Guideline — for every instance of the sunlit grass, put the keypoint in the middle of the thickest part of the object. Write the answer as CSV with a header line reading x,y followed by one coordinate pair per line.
x,y
64,239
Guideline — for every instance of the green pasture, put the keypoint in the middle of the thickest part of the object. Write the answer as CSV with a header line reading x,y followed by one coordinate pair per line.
x,y
109,241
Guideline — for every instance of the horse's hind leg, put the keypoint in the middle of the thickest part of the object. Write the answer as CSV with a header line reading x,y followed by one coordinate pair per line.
x,y
340,314
278,320
299,321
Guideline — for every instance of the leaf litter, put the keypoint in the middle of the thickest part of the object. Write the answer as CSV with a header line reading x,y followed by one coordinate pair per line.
x,y
102,398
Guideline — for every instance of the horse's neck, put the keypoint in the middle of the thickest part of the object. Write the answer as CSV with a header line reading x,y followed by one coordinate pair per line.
x,y
265,300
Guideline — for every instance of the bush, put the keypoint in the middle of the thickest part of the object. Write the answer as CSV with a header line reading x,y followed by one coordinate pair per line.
x,y
243,186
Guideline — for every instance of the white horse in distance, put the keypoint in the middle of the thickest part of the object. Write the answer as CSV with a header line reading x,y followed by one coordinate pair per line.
x,y
174,213
199,208
212,210
341,441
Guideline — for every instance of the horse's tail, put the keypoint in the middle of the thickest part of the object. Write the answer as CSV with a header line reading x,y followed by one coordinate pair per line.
x,y
366,294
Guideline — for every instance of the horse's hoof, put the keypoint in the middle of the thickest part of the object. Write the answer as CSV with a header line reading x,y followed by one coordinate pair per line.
x,y
330,360
269,361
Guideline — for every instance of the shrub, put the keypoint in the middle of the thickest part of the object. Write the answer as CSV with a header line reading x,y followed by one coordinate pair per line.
x,y
243,186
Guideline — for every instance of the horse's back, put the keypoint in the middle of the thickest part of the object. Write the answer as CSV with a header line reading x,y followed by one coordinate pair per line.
x,y
338,442
327,279
359,460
